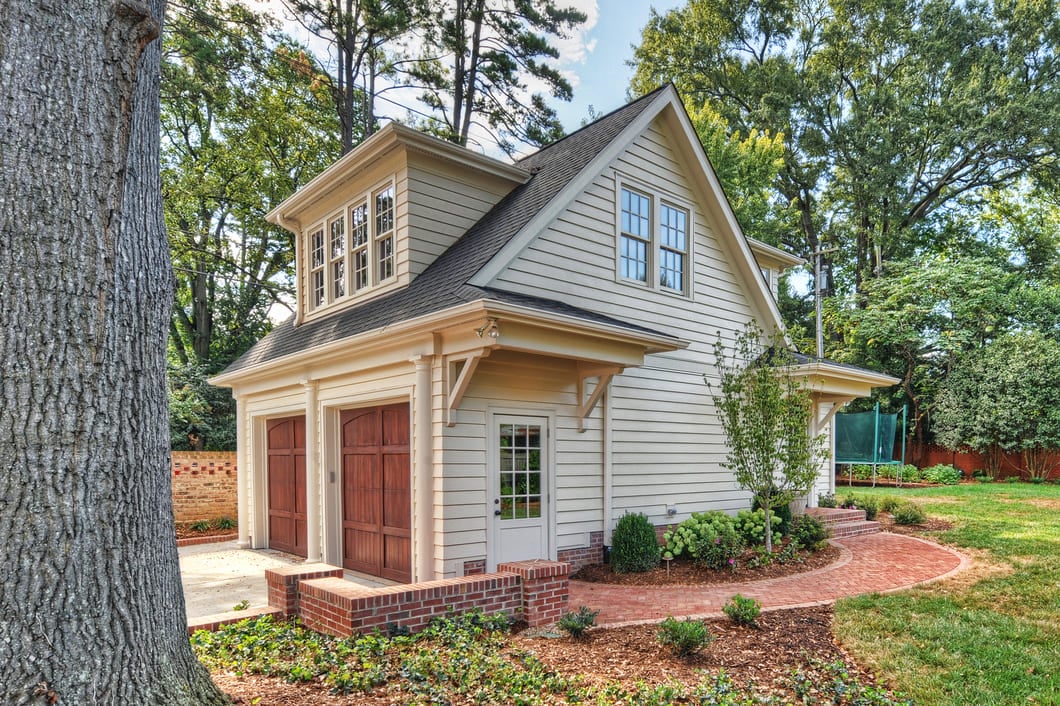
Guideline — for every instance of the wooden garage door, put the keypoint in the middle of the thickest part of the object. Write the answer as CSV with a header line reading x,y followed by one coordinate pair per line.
x,y
376,492
286,469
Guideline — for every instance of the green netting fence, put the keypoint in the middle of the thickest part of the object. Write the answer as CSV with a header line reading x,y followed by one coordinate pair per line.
x,y
868,438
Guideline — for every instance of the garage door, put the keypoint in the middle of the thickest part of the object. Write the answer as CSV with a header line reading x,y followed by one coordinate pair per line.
x,y
376,492
286,470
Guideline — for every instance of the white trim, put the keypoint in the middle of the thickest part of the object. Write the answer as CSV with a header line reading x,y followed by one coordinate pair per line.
x,y
526,411
492,269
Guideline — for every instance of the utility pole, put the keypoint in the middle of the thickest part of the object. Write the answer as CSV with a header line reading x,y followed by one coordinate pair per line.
x,y
816,255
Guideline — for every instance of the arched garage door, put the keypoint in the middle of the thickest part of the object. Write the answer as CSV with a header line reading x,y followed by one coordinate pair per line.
x,y
376,491
286,470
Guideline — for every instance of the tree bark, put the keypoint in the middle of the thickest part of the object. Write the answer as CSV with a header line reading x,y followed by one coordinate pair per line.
x,y
92,610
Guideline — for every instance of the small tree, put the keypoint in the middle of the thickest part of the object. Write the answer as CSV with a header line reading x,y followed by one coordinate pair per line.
x,y
766,413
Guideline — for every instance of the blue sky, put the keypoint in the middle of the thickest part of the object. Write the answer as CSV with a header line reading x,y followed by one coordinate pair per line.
x,y
596,60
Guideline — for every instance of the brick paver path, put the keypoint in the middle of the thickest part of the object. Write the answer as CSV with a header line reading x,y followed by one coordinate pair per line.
x,y
868,563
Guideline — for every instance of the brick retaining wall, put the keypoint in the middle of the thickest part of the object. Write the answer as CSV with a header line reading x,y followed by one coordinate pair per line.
x,y
204,485
535,591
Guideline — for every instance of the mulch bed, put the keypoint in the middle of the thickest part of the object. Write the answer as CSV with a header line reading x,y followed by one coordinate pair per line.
x,y
762,657
686,572
933,524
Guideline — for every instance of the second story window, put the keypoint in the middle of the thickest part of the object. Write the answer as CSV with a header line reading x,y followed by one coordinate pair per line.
x,y
654,240
384,232
353,250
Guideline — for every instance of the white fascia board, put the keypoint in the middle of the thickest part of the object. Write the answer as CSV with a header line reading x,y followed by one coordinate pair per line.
x,y
783,258
389,137
825,371
492,269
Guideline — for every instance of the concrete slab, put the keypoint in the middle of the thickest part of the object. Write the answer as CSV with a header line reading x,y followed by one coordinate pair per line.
x,y
219,576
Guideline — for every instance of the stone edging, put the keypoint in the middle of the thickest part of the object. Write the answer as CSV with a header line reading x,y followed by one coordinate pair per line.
x,y
211,539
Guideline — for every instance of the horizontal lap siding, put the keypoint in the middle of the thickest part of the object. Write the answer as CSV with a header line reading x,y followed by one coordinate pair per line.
x,y
668,446
440,210
533,386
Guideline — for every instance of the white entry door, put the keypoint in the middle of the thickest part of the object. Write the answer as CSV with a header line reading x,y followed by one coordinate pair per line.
x,y
519,483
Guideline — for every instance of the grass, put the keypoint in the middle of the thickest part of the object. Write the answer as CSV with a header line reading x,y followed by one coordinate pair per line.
x,y
994,639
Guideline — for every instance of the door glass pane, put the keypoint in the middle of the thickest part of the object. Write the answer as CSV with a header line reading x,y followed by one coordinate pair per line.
x,y
519,471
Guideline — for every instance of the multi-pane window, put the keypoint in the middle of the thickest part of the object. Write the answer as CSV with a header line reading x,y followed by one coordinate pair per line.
x,y
635,238
653,241
353,250
384,232
359,245
673,247
520,471
316,267
337,257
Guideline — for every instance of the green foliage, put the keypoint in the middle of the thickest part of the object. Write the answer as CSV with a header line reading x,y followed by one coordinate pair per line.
x,y
634,545
684,637
826,500
833,683
765,412
476,64
781,516
710,538
198,409
942,473
224,523
752,526
869,505
909,513
201,526
887,503
742,610
991,640
242,605
576,623
809,532
896,472
1005,395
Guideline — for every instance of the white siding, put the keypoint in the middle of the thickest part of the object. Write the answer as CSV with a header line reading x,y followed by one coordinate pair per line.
x,y
668,445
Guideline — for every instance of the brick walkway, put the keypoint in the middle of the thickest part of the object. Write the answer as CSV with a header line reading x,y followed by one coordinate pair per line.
x,y
873,563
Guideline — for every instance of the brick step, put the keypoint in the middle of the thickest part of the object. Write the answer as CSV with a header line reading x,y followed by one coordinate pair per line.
x,y
853,529
830,516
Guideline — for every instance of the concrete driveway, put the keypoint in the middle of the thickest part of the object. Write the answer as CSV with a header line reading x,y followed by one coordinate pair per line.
x,y
219,576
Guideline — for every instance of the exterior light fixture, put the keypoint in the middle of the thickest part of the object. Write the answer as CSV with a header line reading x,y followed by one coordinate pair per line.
x,y
490,328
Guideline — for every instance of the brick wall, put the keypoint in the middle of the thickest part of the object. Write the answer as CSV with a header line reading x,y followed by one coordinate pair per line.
x,y
583,556
204,485
535,591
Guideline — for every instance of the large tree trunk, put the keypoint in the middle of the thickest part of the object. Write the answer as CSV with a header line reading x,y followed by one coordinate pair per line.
x,y
91,610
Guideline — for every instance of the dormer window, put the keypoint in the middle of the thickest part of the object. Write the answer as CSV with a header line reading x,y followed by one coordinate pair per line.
x,y
344,247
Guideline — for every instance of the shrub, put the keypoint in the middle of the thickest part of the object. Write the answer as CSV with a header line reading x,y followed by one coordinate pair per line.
x,y
575,624
684,637
721,551
849,502
781,521
809,532
887,503
200,526
752,526
742,610
826,500
868,504
909,513
224,523
699,529
943,474
634,546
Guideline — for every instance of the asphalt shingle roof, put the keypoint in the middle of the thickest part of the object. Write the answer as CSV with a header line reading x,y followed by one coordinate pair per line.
x,y
444,283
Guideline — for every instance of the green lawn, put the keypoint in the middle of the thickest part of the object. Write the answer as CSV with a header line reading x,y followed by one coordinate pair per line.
x,y
994,639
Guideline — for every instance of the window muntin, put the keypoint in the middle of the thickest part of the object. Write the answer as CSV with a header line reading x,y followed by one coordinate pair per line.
x,y
384,232
673,247
316,267
337,257
653,240
343,248
636,235
359,245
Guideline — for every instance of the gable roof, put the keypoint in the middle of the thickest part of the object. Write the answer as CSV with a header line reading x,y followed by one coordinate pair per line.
x,y
445,282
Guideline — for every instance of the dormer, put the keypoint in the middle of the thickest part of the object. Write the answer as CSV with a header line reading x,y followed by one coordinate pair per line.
x,y
772,262
378,217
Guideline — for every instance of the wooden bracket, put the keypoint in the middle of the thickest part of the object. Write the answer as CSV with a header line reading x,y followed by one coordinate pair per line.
x,y
818,425
586,405
463,379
